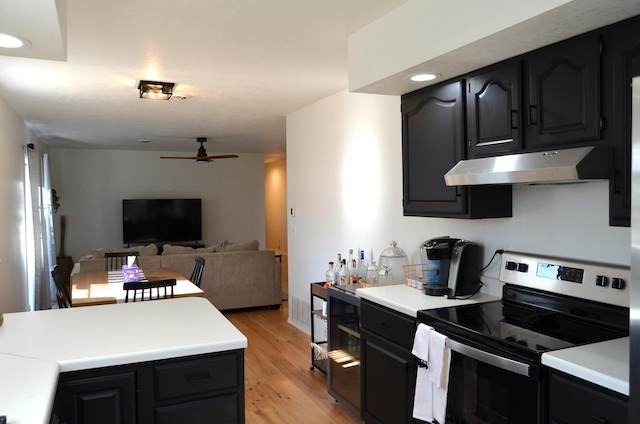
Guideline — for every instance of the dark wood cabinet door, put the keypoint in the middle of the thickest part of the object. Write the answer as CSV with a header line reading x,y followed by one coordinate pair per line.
x,y
494,111
433,133
572,400
621,64
564,94
432,143
101,399
388,382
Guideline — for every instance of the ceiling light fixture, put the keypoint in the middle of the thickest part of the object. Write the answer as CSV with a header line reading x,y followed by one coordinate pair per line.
x,y
10,42
155,90
423,77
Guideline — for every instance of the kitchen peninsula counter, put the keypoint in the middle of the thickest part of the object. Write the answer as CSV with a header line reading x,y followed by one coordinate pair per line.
x,y
64,340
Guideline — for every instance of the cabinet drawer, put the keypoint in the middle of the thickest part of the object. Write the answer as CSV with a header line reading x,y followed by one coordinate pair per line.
x,y
220,409
390,325
196,376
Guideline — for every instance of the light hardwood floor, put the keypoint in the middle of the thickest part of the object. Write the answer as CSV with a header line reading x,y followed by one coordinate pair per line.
x,y
279,386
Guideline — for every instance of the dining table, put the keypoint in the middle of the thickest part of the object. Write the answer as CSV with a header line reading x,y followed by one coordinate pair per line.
x,y
105,287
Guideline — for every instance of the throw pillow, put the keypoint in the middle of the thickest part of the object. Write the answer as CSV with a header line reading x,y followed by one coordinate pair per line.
x,y
168,249
238,247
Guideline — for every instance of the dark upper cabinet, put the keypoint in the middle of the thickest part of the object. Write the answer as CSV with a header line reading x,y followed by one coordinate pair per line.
x,y
620,64
494,110
564,94
433,141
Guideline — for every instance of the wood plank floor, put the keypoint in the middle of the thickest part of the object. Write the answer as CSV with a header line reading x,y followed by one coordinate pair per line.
x,y
279,386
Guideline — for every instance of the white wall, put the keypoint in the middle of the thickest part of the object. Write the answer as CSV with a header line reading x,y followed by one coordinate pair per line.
x,y
275,188
344,173
92,184
13,295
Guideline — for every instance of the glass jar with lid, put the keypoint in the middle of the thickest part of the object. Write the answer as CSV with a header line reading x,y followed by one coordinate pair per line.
x,y
392,259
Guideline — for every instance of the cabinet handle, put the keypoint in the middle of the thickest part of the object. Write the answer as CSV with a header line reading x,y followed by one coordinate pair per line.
x,y
514,119
532,115
597,420
197,377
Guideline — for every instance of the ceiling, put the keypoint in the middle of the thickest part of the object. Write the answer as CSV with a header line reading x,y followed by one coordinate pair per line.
x,y
240,66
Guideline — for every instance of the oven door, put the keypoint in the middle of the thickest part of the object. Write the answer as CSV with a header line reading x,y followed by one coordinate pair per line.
x,y
485,387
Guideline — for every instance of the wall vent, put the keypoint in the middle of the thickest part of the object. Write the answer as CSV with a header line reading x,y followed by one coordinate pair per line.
x,y
300,312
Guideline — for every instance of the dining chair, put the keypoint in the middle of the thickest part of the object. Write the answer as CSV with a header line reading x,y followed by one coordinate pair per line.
x,y
115,260
196,274
149,285
62,294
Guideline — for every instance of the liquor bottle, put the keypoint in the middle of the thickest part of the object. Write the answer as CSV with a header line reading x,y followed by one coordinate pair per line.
x,y
344,274
353,272
331,275
362,267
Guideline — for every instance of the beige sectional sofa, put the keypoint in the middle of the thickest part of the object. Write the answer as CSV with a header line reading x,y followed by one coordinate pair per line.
x,y
235,276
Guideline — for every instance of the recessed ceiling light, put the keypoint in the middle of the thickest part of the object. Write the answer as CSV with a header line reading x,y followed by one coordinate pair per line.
x,y
423,77
10,42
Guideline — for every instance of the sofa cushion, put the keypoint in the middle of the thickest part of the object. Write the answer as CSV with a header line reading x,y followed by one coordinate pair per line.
x,y
150,250
228,246
168,249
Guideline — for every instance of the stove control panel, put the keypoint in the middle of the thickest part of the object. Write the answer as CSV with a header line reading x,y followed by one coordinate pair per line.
x,y
587,280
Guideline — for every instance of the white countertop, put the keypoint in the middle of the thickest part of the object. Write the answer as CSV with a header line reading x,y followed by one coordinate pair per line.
x,y
26,389
605,364
100,336
409,301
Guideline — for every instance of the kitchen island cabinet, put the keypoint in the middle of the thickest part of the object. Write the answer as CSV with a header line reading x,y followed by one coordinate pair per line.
x,y
168,358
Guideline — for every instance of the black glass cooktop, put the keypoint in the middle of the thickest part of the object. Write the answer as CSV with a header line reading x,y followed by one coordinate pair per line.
x,y
529,323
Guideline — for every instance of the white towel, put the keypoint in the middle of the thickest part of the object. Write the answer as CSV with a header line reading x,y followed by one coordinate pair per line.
x,y
421,342
430,401
439,361
423,399
437,347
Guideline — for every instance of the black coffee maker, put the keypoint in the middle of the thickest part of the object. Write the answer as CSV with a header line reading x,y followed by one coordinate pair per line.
x,y
458,270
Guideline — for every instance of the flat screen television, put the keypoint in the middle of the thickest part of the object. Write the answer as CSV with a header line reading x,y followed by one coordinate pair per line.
x,y
161,220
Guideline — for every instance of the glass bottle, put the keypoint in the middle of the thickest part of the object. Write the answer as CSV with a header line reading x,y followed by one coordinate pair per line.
x,y
331,275
344,275
353,272
362,267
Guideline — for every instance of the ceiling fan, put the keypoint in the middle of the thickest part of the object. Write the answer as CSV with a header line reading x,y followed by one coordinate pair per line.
x,y
202,154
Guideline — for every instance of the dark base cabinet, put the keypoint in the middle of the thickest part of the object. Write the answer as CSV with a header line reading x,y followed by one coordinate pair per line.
x,y
389,370
575,401
196,389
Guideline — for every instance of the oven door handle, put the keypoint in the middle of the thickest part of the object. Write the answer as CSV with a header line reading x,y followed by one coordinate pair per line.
x,y
489,358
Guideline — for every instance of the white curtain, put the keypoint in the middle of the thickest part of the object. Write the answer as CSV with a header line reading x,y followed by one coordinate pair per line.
x,y
40,239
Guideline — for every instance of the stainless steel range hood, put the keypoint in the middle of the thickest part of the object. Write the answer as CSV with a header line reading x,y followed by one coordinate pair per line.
x,y
554,166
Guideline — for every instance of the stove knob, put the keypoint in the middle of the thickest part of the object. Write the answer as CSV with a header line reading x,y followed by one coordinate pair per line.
x,y
511,266
618,283
522,267
602,280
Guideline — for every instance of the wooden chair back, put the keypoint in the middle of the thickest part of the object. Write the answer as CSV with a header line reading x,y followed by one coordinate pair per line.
x,y
143,286
62,294
198,269
114,260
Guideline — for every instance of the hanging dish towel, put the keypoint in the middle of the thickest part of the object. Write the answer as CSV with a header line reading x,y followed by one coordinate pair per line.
x,y
439,362
423,399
